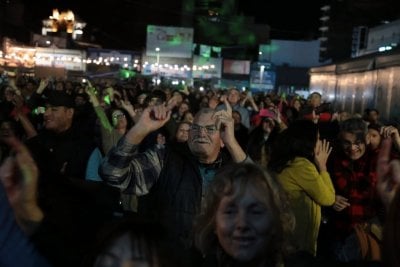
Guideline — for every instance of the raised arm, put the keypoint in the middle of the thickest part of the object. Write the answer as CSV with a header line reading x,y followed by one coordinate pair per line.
x,y
136,172
393,133
105,123
22,117
388,173
224,119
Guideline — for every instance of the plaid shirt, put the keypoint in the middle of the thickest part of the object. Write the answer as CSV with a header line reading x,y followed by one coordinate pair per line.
x,y
356,181
132,172
135,173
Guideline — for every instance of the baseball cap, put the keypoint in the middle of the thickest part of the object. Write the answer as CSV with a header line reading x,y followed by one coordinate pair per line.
x,y
60,98
267,113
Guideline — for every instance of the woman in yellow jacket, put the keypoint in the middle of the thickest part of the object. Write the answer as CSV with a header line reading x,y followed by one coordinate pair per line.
x,y
299,160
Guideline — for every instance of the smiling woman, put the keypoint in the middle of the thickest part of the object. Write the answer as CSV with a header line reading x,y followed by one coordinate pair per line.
x,y
245,218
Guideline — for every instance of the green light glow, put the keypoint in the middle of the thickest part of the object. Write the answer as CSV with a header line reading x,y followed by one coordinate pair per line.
x,y
233,31
125,74
150,28
107,100
268,49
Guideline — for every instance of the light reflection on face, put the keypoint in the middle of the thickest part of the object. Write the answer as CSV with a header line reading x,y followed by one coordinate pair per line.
x,y
243,225
203,144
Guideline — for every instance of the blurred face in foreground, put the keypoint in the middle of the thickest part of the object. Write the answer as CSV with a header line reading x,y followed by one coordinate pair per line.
x,y
128,251
244,225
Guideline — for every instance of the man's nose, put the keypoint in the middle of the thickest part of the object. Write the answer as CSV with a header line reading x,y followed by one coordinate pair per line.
x,y
203,131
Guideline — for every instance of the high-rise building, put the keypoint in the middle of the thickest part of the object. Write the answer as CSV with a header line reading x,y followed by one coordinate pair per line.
x,y
343,24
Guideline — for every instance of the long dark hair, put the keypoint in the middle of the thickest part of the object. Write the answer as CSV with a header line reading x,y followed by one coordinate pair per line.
x,y
298,140
256,141
144,237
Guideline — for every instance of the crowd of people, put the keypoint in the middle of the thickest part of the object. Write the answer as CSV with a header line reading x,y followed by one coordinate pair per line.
x,y
130,174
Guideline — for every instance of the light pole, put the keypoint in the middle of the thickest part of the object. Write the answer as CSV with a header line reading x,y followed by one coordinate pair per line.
x,y
262,67
158,63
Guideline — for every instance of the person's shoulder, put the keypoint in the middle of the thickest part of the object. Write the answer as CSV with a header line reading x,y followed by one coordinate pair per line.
x,y
304,259
42,136
239,108
300,162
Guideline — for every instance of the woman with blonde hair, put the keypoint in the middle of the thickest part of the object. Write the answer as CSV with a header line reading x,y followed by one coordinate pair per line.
x,y
244,220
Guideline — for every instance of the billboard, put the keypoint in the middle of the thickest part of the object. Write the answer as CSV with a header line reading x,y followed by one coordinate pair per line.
x,y
262,80
241,67
169,41
206,68
124,58
61,58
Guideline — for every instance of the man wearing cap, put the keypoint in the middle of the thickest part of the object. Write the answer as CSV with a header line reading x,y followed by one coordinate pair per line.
x,y
74,208
60,147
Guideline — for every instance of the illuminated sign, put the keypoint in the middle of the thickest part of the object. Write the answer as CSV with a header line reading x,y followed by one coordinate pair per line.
x,y
169,41
206,68
61,58
241,67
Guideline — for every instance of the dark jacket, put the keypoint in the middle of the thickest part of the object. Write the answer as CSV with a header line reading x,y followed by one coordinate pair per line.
x,y
51,151
175,200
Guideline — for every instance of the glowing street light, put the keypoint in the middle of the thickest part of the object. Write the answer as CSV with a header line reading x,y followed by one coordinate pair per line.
x,y
158,54
158,60
262,68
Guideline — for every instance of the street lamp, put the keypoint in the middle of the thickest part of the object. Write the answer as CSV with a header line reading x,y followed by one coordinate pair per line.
x,y
158,54
158,63
262,67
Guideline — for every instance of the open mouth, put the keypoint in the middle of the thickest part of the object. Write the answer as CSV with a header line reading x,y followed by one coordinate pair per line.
x,y
201,141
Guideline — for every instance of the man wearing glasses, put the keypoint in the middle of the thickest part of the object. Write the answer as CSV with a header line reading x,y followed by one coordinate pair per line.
x,y
173,180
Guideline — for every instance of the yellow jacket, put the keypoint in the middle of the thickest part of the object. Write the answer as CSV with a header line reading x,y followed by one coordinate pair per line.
x,y
308,190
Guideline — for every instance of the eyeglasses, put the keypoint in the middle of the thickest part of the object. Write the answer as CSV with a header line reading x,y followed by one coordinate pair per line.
x,y
119,116
210,129
347,144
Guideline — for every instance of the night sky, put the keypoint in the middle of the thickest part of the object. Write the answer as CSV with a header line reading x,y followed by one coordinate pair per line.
x,y
287,19
121,24
275,13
